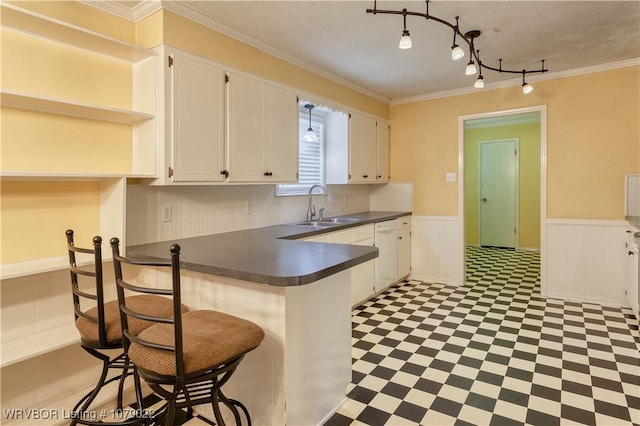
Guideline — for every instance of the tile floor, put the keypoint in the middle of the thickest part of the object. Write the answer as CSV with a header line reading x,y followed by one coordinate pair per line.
x,y
491,353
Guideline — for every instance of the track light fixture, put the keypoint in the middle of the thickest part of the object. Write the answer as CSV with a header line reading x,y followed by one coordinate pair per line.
x,y
405,40
456,51
310,135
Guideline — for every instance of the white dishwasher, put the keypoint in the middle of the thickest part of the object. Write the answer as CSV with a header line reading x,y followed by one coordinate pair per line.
x,y
386,239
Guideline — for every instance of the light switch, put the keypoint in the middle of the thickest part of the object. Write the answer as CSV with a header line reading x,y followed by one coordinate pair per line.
x,y
451,177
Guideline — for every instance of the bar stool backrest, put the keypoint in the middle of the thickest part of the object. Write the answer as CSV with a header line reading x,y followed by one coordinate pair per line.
x,y
138,287
96,293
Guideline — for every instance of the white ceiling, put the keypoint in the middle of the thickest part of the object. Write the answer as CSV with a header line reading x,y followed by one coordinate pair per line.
x,y
337,38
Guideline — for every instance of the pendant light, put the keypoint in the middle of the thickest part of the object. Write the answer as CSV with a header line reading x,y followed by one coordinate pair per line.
x,y
526,87
457,52
310,135
479,84
405,40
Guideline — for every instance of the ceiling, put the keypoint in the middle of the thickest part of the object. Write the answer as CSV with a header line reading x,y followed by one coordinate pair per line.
x,y
338,39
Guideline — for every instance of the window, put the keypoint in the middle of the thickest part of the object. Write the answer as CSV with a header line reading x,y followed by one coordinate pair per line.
x,y
311,170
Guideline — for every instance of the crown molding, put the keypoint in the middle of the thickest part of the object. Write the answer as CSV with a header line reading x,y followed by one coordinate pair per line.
x,y
135,13
518,82
186,10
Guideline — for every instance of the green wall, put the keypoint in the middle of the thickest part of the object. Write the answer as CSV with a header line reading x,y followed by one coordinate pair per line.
x,y
529,177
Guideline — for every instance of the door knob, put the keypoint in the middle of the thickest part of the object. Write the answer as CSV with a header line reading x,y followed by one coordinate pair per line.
x,y
484,200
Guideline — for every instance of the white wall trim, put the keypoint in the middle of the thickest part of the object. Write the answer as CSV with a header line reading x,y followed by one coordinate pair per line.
x,y
32,267
587,222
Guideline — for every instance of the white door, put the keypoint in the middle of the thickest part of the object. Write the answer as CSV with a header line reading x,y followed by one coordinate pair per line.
x,y
246,129
498,193
362,148
197,110
404,247
281,108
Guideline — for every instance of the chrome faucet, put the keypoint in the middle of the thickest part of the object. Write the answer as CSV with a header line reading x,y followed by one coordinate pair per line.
x,y
311,209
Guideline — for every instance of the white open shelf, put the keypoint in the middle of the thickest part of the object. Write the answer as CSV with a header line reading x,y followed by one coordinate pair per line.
x,y
69,108
37,344
37,25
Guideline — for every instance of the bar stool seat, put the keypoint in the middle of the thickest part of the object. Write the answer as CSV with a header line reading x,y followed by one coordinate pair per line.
x,y
209,339
88,329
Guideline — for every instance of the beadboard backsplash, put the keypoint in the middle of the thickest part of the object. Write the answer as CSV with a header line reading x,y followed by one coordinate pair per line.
x,y
202,210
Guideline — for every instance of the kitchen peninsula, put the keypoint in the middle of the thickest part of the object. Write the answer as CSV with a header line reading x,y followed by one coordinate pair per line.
x,y
298,292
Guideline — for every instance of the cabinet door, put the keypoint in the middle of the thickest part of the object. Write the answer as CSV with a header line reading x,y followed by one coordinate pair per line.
x,y
362,148
197,119
404,252
382,159
246,129
281,107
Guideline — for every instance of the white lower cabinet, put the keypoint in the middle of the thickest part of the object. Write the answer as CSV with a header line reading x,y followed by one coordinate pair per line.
x,y
404,247
363,277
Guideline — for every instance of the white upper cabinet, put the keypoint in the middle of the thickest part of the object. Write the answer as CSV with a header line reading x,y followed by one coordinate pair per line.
x,y
362,148
359,154
195,118
262,131
382,142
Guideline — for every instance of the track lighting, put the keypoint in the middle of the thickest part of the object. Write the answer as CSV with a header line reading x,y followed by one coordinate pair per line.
x,y
405,40
526,87
310,135
456,51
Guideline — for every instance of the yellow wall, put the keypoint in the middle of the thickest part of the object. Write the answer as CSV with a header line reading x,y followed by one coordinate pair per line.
x,y
528,174
593,140
35,216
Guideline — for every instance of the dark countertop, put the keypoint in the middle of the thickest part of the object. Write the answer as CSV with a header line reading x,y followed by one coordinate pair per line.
x,y
269,255
634,221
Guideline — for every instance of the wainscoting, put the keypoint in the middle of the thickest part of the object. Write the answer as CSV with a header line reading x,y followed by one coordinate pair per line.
x,y
435,249
585,260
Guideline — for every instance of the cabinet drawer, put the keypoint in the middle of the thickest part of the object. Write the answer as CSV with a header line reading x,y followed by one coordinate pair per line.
x,y
404,222
341,237
363,232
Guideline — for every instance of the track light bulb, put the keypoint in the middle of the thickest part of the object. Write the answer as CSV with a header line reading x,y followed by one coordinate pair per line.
x,y
456,52
527,88
479,84
405,40
471,68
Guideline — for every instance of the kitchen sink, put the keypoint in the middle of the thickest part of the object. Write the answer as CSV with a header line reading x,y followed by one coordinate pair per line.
x,y
339,220
316,223
323,223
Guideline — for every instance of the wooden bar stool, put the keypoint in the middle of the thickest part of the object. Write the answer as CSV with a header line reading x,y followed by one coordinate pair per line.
x,y
188,358
100,329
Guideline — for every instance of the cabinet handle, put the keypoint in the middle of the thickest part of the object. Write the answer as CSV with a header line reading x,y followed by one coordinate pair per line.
x,y
631,253
267,174
365,176
225,173
399,238
379,177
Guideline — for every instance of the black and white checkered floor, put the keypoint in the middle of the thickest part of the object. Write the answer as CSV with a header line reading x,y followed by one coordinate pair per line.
x,y
492,352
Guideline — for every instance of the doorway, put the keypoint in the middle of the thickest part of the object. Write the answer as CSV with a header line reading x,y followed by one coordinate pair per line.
x,y
498,193
495,131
